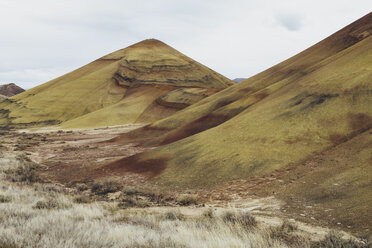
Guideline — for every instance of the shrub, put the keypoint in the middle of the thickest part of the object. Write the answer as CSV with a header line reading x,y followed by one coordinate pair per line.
x,y
7,244
4,199
285,233
82,199
50,204
244,219
24,173
132,202
130,191
287,226
335,240
81,186
209,213
103,188
173,215
186,200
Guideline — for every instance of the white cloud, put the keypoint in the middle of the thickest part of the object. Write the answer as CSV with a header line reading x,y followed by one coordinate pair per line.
x,y
42,39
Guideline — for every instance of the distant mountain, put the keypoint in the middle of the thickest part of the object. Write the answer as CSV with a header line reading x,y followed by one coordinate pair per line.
x,y
138,84
238,80
10,89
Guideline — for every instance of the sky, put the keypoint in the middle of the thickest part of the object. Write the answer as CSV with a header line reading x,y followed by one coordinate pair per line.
x,y
43,39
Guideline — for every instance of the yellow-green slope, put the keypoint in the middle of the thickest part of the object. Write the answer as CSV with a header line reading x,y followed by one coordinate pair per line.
x,y
109,81
307,104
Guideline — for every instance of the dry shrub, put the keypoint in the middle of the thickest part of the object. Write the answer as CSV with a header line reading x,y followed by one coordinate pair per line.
x,y
209,213
130,191
82,199
5,199
24,173
286,233
173,215
103,188
50,204
132,202
81,186
186,200
7,244
335,240
150,196
244,219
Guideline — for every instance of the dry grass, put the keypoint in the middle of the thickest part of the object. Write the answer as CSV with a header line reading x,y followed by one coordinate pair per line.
x,y
43,215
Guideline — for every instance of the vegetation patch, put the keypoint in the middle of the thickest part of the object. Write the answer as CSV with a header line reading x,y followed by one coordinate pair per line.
x,y
187,200
5,199
103,188
335,240
244,219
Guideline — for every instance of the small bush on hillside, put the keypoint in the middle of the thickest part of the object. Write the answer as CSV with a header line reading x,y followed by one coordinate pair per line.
x,y
132,203
287,226
173,215
103,188
242,218
81,186
24,173
50,204
7,244
335,240
209,213
186,200
4,199
82,199
130,191
285,233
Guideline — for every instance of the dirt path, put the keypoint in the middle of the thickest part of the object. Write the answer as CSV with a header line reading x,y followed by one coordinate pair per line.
x,y
68,154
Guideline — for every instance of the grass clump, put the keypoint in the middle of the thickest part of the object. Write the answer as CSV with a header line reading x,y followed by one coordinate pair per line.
x,y
244,219
50,204
132,202
335,240
81,186
5,199
103,188
286,233
187,200
173,215
130,191
24,173
209,213
82,199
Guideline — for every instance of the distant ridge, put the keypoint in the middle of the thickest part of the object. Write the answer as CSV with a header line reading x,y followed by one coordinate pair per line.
x,y
238,80
10,89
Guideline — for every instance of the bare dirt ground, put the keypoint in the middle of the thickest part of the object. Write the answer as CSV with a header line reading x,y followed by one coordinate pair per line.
x,y
61,153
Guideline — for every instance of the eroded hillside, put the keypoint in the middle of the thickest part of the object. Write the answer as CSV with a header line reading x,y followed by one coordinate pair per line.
x,y
122,87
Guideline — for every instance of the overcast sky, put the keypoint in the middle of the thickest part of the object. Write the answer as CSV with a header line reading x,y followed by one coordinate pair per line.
x,y
44,39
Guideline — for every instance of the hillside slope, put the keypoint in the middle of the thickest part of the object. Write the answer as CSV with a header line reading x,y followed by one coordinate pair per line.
x,y
305,124
148,69
311,102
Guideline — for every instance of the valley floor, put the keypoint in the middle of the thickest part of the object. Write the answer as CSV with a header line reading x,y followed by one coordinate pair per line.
x,y
40,208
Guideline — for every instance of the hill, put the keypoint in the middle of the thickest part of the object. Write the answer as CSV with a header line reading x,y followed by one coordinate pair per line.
x,y
311,108
122,87
10,89
238,80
